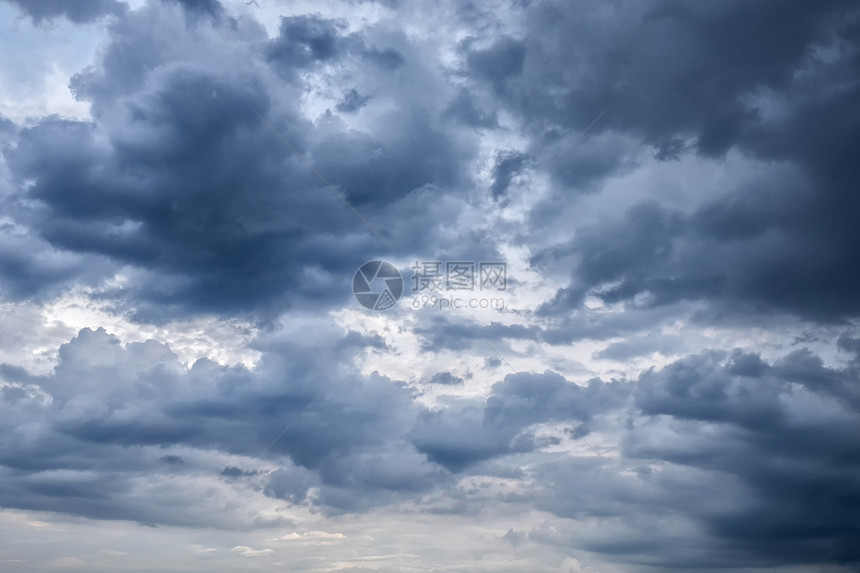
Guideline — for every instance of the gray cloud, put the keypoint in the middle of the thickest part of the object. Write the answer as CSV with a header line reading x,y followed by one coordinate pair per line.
x,y
445,378
729,462
672,73
508,164
760,424
92,417
767,439
189,173
80,11
190,179
475,431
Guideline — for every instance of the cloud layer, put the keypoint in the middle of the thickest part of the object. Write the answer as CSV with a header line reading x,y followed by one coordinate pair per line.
x,y
672,383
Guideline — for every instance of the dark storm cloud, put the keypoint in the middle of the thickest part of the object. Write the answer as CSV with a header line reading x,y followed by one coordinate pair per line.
x,y
758,456
31,269
7,127
475,431
234,472
364,442
187,179
78,11
508,164
722,78
208,208
304,41
211,7
445,378
498,63
643,251
92,417
358,482
352,101
407,152
388,58
566,327
466,109
781,430
188,171
665,67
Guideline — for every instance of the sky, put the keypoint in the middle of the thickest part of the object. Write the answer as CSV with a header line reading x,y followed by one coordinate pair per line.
x,y
465,286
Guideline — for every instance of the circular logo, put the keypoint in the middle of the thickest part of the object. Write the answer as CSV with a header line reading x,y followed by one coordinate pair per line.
x,y
377,285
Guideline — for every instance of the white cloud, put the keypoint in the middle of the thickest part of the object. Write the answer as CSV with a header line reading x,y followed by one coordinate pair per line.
x,y
246,551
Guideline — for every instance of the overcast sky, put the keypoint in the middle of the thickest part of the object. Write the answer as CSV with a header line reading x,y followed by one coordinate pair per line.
x,y
652,365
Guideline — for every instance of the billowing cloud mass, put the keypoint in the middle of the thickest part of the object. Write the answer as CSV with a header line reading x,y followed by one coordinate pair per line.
x,y
667,379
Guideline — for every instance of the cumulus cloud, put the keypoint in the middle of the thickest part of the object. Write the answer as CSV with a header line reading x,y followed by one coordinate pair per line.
x,y
779,244
90,417
79,12
748,453
673,383
207,122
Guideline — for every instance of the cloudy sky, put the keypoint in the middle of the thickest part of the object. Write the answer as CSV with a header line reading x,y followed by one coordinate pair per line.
x,y
668,378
